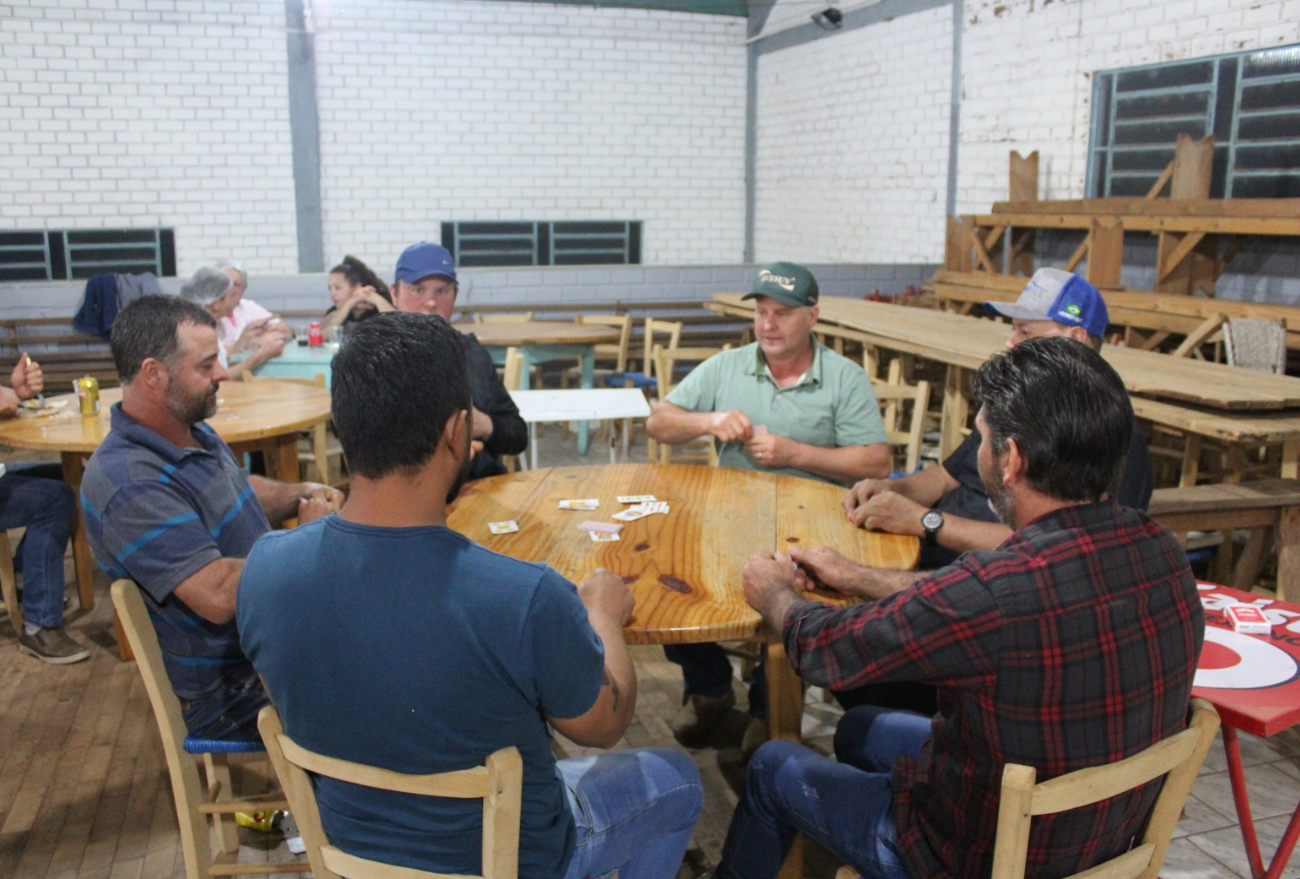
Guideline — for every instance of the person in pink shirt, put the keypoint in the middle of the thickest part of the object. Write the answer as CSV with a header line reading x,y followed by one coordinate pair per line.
x,y
246,322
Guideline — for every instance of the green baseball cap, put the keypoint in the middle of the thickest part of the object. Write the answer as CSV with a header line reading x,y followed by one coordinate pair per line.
x,y
787,283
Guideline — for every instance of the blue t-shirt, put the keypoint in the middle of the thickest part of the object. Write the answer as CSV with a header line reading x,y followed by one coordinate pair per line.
x,y
419,651
158,513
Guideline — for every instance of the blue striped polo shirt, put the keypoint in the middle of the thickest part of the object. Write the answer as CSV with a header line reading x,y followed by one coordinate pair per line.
x,y
157,513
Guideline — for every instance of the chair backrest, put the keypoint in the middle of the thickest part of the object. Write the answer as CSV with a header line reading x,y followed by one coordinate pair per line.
x,y
1255,343
186,790
499,783
513,371
502,317
619,351
894,396
1178,758
665,362
670,328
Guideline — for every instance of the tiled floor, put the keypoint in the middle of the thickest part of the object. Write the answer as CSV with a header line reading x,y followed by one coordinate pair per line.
x,y
84,793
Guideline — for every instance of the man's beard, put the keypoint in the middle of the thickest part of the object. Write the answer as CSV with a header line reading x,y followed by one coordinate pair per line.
x,y
999,497
191,410
463,474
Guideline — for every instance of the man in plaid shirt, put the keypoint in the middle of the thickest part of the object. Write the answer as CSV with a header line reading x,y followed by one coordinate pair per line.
x,y
1072,644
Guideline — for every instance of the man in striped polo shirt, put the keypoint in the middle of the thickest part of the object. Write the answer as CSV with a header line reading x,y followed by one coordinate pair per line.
x,y
167,505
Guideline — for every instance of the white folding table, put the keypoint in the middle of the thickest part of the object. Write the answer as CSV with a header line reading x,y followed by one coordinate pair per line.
x,y
580,404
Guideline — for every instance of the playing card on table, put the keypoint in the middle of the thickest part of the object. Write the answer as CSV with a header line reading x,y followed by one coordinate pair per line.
x,y
631,514
503,527
655,507
589,503
635,498
600,537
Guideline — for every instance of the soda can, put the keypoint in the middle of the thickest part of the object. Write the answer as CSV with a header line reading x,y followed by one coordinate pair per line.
x,y
87,390
315,338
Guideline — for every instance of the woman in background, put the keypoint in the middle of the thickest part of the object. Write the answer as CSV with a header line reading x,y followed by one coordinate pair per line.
x,y
357,293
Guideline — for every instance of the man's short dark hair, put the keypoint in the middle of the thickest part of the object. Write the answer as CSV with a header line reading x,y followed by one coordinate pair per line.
x,y
1066,408
148,328
394,384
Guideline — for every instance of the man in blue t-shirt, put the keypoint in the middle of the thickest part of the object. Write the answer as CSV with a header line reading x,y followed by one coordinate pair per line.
x,y
168,506
386,638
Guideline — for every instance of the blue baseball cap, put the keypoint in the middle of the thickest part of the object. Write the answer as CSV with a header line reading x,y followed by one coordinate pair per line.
x,y
1056,295
423,260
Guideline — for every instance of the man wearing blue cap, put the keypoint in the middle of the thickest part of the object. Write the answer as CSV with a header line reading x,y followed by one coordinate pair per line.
x,y
948,506
785,404
425,283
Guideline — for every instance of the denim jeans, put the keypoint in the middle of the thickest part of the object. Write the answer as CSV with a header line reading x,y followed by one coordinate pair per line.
x,y
847,806
706,671
635,812
230,711
35,496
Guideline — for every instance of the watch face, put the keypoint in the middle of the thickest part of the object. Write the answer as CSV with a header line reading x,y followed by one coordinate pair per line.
x,y
932,520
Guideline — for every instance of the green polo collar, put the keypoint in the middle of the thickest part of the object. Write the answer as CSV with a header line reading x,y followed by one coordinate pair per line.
x,y
758,366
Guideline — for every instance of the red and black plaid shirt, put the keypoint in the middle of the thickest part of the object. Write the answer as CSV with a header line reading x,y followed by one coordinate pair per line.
x,y
1071,645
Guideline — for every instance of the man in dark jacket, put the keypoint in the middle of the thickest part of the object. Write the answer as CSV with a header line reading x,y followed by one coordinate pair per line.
x,y
424,282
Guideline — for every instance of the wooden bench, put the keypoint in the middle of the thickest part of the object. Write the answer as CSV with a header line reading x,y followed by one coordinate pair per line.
x,y
1268,505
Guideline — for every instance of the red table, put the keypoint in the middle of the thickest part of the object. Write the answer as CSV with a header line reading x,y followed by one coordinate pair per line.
x,y
1254,683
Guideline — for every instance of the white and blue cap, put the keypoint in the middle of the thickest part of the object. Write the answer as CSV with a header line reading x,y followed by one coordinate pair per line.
x,y
1056,295
422,260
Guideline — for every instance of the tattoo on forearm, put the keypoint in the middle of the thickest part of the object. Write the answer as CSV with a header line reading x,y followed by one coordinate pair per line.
x,y
609,682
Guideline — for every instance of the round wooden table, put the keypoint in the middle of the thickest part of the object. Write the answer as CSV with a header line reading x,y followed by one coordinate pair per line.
x,y
264,416
684,567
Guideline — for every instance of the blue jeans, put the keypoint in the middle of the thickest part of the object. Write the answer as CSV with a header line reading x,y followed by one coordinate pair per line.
x,y
706,671
635,811
847,806
230,711
35,496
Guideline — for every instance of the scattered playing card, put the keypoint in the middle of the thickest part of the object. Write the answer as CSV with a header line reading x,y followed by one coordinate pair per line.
x,y
600,527
601,537
631,514
760,430
655,507
503,527
589,503
635,498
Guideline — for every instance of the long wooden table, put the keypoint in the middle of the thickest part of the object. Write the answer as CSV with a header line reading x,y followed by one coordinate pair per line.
x,y
264,416
1243,411
683,567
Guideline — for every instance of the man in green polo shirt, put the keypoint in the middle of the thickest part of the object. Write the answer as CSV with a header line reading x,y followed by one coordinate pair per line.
x,y
787,404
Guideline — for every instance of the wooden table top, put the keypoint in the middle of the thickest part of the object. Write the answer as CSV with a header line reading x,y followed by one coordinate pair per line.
x,y
246,411
683,567
969,341
539,332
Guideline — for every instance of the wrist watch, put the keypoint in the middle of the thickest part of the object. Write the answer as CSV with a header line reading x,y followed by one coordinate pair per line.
x,y
932,521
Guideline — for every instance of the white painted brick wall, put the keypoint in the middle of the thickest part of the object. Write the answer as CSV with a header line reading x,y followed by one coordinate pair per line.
x,y
852,160
1027,70
147,113
453,110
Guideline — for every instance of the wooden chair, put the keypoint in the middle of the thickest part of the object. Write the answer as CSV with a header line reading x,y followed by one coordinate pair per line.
x,y
511,378
499,783
9,585
672,331
701,449
195,802
322,449
1177,758
893,396
502,317
615,355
